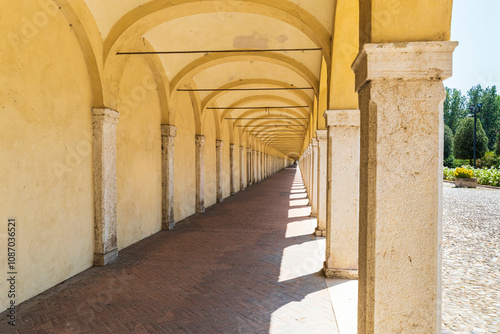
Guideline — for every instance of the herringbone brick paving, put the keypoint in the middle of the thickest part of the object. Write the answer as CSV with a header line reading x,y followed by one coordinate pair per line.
x,y
247,265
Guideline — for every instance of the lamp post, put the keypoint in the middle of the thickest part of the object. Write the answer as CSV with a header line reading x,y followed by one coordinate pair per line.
x,y
474,111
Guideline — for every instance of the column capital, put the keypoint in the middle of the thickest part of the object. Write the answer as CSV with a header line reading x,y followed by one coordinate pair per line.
x,y
219,143
321,134
168,130
105,115
314,143
406,60
249,150
232,147
342,117
200,139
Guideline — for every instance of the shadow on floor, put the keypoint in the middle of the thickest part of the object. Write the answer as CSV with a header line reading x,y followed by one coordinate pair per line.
x,y
247,265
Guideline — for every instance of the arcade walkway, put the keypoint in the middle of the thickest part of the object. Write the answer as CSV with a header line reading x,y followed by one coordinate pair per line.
x,y
248,265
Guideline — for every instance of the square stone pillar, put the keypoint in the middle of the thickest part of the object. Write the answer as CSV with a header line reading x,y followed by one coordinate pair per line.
x,y
168,133
200,173
314,178
401,98
233,169
249,167
259,166
104,123
342,194
218,151
255,169
242,175
321,136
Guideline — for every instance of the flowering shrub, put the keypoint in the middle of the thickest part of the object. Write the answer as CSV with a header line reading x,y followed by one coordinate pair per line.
x,y
489,177
448,174
462,172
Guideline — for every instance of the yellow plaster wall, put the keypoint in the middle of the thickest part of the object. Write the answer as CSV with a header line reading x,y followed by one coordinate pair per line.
x,y
208,124
185,159
138,165
45,148
344,51
385,21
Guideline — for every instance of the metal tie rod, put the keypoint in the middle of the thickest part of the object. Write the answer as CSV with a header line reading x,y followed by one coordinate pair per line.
x,y
215,51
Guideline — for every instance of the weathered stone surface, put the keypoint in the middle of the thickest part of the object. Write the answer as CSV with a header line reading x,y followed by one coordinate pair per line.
x,y
342,195
400,98
242,168
321,136
200,173
168,133
314,178
218,169
104,126
466,182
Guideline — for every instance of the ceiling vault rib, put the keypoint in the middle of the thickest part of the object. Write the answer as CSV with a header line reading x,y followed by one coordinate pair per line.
x,y
265,118
239,89
273,107
215,51
269,125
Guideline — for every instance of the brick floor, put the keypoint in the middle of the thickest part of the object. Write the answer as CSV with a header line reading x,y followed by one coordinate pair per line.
x,y
247,265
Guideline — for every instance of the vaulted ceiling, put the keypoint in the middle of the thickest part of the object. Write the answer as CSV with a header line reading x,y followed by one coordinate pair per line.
x,y
255,63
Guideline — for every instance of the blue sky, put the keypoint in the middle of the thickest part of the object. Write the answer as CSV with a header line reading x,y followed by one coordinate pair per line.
x,y
476,26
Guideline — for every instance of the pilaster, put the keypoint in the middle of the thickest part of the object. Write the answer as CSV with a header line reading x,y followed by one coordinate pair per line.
x,y
233,169
242,169
104,122
168,133
200,173
218,152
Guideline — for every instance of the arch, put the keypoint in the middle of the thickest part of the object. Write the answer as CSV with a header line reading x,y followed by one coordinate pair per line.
x,y
84,26
248,82
254,98
215,59
195,100
113,72
145,17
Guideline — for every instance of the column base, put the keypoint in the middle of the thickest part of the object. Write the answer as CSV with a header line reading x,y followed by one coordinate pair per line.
x,y
319,232
339,273
167,226
104,259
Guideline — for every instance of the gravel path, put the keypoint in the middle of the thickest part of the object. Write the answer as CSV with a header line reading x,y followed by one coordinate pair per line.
x,y
471,260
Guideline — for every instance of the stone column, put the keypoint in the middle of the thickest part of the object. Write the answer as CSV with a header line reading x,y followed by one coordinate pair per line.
x,y
342,194
232,158
242,182
314,178
249,166
255,179
218,152
104,123
321,197
200,173
401,98
168,133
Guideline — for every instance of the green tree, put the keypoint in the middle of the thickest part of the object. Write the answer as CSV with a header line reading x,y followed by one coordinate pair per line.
x,y
498,144
454,108
448,146
490,114
448,142
463,143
